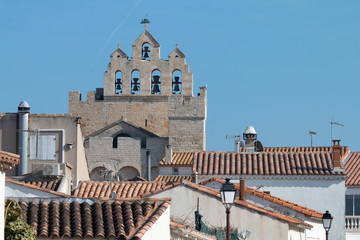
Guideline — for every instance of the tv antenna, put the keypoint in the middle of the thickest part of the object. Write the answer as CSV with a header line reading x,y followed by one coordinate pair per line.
x,y
311,133
334,123
237,139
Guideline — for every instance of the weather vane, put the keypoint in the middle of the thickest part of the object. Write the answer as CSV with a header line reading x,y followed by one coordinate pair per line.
x,y
146,22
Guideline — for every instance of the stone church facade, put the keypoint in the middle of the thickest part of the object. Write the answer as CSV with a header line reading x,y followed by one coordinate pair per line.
x,y
146,104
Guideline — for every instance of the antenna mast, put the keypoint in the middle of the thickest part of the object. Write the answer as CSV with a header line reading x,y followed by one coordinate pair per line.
x,y
332,123
311,136
237,139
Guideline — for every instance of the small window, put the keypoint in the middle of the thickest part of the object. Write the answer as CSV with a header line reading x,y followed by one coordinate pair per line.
x,y
118,82
135,82
145,52
156,82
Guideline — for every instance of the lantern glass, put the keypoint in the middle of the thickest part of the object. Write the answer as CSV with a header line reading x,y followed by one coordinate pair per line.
x,y
327,219
227,193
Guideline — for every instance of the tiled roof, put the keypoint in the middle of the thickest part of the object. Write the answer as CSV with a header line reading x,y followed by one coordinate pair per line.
x,y
179,159
306,211
172,178
48,182
8,160
109,219
344,150
101,189
263,163
352,169
34,186
242,203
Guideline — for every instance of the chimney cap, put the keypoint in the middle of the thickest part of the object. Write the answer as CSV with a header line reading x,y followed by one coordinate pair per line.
x,y
24,107
250,130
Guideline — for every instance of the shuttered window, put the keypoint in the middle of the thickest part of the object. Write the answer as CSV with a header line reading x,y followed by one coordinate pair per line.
x,y
46,147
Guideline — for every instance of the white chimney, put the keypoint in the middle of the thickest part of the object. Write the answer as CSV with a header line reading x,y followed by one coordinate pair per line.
x,y
168,154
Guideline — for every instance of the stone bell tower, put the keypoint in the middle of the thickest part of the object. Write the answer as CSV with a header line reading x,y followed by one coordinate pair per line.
x,y
150,93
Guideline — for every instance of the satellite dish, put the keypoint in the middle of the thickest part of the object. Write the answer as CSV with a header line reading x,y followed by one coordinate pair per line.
x,y
258,146
242,144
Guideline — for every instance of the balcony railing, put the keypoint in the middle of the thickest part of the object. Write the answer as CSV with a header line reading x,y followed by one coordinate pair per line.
x,y
352,223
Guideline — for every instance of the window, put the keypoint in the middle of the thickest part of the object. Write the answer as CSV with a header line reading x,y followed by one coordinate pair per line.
x,y
156,82
175,171
46,147
352,205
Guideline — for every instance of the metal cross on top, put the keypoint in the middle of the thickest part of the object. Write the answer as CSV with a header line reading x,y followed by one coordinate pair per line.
x,y
146,22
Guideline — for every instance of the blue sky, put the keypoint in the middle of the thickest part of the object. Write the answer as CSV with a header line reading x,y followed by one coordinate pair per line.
x,y
282,66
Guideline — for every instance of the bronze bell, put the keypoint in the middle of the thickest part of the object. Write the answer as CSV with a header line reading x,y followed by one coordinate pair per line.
x,y
146,52
118,84
156,83
176,84
135,85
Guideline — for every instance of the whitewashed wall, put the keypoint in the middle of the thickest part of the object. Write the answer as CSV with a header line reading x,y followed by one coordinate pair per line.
x,y
2,203
318,194
160,230
184,205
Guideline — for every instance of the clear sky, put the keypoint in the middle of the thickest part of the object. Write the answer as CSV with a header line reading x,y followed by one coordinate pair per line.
x,y
282,66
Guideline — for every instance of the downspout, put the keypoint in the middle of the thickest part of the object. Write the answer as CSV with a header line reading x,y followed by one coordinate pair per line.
x,y
148,164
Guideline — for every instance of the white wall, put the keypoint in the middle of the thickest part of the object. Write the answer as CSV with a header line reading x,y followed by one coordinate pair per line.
x,y
14,190
160,230
184,205
317,194
2,204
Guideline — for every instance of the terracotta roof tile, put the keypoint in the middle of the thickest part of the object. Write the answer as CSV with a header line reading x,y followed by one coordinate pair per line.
x,y
108,219
8,160
95,189
352,169
179,159
48,182
263,163
172,178
306,211
35,186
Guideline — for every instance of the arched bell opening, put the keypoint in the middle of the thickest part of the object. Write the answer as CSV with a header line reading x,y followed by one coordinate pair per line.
x,y
176,82
156,82
135,82
145,52
118,83
128,172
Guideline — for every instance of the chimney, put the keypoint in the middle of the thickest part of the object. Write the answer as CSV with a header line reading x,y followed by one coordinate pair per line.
x,y
23,113
336,154
250,137
196,176
242,189
168,154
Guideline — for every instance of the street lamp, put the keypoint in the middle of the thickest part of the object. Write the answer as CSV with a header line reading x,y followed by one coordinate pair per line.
x,y
227,192
327,219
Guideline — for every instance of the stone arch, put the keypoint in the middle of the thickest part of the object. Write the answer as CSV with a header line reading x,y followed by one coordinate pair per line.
x,y
128,172
156,82
176,82
135,82
97,174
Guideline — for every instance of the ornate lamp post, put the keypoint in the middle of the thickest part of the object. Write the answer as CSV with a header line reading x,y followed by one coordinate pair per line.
x,y
327,219
227,192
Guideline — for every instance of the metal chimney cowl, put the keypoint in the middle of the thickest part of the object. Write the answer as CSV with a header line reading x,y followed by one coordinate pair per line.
x,y
23,116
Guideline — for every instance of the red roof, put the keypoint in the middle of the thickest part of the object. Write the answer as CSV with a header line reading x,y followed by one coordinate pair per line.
x,y
352,169
306,211
8,160
108,219
172,178
263,163
123,189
